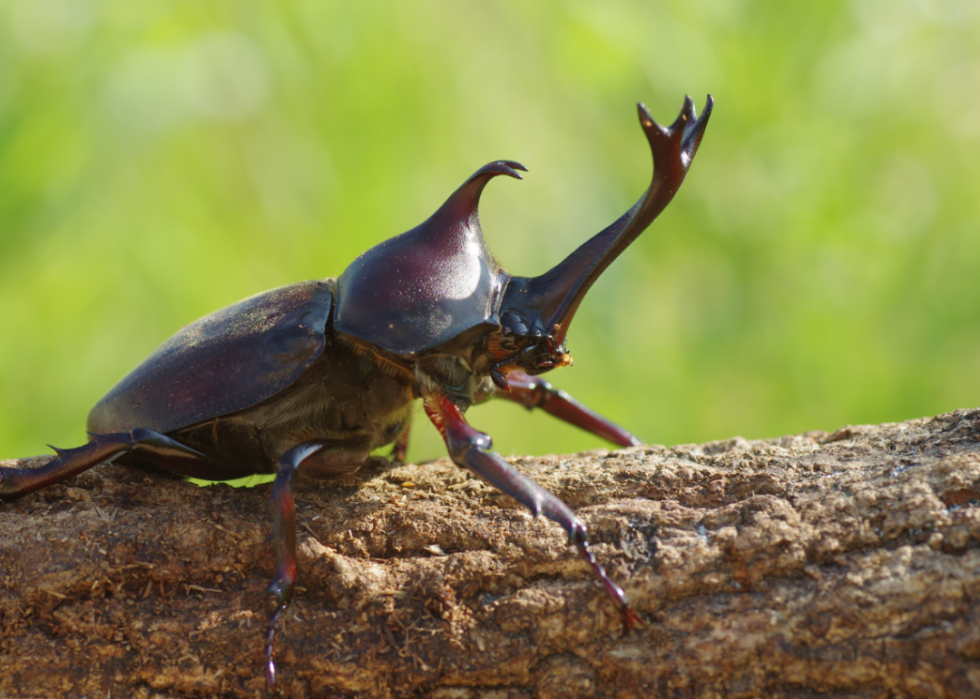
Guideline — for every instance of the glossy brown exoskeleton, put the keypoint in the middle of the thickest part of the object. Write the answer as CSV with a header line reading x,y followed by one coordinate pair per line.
x,y
309,378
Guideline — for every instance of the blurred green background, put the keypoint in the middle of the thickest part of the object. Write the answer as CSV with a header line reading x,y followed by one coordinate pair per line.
x,y
161,159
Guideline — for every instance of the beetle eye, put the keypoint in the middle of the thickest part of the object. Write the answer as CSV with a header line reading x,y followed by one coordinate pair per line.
x,y
513,323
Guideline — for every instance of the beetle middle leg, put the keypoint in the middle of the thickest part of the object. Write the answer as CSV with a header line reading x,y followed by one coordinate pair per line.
x,y
400,447
318,458
471,449
535,392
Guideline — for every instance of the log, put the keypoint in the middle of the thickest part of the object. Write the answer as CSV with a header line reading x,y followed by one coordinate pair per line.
x,y
844,564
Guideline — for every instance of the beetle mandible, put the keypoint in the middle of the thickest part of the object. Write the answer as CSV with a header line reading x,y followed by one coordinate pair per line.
x,y
309,378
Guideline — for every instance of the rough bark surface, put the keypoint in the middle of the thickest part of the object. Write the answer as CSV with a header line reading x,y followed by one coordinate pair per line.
x,y
812,565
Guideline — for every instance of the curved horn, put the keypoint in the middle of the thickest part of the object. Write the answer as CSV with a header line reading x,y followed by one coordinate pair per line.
x,y
552,298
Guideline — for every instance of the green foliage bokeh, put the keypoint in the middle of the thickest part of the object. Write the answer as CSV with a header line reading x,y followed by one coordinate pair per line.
x,y
159,160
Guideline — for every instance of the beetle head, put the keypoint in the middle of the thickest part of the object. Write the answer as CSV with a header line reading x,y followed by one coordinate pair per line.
x,y
535,312
438,289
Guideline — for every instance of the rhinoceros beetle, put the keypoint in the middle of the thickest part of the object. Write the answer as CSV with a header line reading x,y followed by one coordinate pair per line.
x,y
309,378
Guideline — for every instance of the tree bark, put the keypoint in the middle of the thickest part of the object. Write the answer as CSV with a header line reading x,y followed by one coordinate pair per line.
x,y
834,565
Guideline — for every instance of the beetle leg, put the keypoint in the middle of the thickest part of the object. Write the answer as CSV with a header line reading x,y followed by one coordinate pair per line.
x,y
331,456
535,392
401,442
171,454
471,449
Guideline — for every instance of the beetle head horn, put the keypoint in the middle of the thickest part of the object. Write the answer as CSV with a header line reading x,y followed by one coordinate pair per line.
x,y
545,305
434,283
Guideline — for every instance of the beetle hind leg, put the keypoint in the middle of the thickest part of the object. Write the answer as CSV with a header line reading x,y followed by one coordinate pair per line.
x,y
534,392
147,445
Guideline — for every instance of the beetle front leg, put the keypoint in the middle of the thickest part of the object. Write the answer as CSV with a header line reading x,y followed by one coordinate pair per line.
x,y
534,392
320,457
471,449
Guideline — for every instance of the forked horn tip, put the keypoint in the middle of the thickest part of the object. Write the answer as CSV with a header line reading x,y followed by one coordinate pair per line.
x,y
687,117
499,167
679,140
694,130
706,112
646,120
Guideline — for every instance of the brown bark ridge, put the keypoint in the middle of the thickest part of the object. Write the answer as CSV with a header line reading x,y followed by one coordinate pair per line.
x,y
844,564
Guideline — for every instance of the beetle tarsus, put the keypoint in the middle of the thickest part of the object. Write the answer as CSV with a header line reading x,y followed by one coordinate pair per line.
x,y
270,666
629,617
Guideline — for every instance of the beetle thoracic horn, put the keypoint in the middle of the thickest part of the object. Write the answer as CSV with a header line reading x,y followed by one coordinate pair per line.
x,y
432,284
547,303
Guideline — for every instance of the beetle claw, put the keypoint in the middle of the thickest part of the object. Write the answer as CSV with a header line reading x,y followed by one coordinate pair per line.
x,y
631,620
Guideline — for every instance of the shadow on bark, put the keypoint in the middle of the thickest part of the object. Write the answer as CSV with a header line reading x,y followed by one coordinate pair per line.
x,y
832,565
